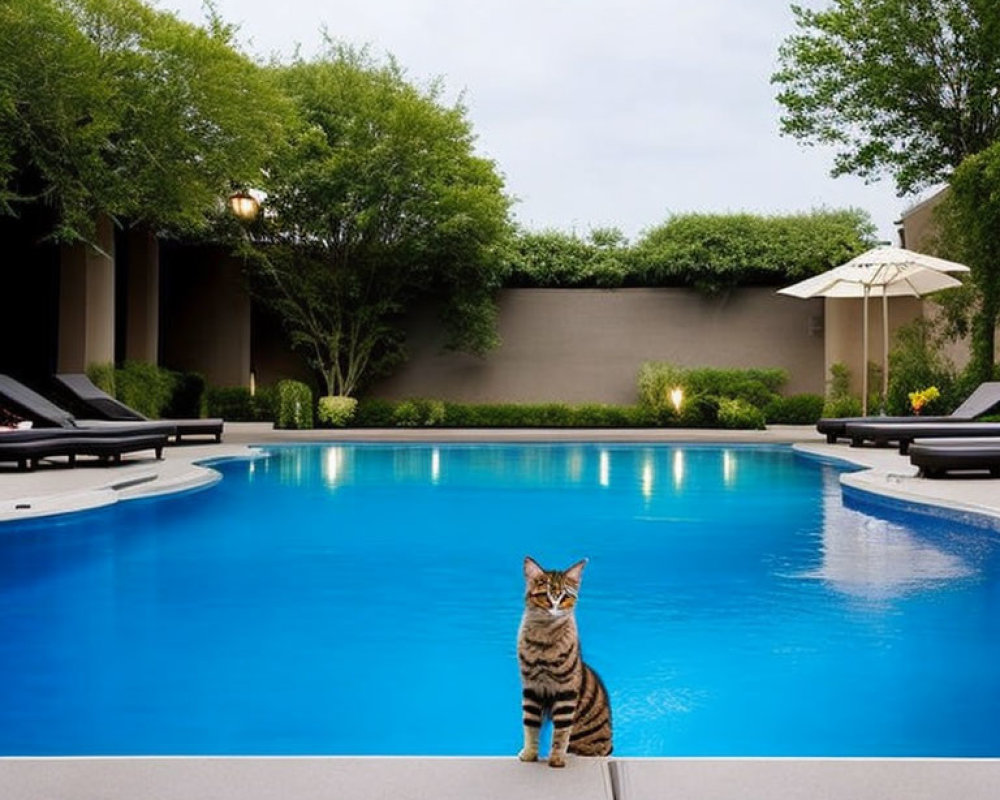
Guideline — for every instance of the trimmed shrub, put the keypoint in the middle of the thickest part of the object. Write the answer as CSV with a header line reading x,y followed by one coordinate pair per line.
x,y
264,404
845,406
232,403
758,387
336,410
411,413
656,380
796,409
698,411
374,413
145,387
188,398
102,376
839,400
736,413
236,404
294,406
417,412
406,414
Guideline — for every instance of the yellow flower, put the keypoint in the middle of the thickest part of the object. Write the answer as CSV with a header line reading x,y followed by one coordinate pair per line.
x,y
919,399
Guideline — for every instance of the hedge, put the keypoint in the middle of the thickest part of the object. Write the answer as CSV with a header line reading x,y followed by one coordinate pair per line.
x,y
151,390
710,252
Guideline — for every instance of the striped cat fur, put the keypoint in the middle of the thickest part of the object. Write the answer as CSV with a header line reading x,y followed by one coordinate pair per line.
x,y
556,684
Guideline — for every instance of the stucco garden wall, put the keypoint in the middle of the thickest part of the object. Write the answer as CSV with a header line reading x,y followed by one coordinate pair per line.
x,y
586,345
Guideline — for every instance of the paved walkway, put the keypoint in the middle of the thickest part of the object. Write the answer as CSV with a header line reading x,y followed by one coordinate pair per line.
x,y
55,490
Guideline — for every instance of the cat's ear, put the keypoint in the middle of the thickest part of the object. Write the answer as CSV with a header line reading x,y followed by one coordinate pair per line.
x,y
531,569
575,573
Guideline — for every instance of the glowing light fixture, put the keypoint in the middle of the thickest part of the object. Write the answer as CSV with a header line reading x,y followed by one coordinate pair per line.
x,y
244,205
677,398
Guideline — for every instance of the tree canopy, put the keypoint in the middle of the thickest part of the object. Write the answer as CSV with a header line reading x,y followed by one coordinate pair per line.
x,y
378,198
111,107
904,87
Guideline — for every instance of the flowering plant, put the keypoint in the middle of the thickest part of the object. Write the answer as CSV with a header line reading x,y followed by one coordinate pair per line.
x,y
919,399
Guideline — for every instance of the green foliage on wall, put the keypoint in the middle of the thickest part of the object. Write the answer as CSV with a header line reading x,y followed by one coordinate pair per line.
x,y
710,252
552,259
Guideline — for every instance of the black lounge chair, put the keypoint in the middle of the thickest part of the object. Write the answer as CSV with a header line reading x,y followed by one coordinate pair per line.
x,y
104,406
882,433
984,399
28,447
45,414
937,458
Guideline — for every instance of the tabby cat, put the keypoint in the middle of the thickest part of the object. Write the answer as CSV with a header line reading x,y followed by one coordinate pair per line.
x,y
556,682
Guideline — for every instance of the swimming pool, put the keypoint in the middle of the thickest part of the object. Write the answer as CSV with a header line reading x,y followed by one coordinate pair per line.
x,y
364,599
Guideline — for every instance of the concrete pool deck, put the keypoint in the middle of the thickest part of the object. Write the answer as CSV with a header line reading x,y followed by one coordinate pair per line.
x,y
53,490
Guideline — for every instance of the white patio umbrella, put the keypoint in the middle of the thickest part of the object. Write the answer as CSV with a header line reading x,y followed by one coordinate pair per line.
x,y
886,272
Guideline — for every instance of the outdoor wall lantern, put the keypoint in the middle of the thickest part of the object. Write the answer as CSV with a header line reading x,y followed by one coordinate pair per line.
x,y
677,398
244,205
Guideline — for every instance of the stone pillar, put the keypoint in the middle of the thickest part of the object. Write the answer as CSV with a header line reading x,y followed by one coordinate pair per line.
x,y
142,317
87,301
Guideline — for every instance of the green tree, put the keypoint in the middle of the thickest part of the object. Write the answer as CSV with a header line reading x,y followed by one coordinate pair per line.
x,y
907,87
970,233
111,107
377,200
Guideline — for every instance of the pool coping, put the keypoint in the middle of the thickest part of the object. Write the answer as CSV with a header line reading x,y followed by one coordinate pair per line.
x,y
882,474
501,778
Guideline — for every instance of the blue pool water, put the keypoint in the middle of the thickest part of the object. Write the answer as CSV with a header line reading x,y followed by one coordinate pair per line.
x,y
365,600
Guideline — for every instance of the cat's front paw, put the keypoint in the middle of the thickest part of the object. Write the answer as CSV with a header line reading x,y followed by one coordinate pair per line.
x,y
557,760
528,754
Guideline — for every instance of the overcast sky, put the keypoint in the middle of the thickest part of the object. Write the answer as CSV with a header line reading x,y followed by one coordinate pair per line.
x,y
597,112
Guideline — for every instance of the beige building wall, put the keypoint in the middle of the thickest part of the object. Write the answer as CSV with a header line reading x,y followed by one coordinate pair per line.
x,y
87,302
586,345
845,332
205,326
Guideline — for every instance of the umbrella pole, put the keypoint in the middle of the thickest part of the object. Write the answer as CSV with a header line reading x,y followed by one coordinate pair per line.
x,y
864,352
885,349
